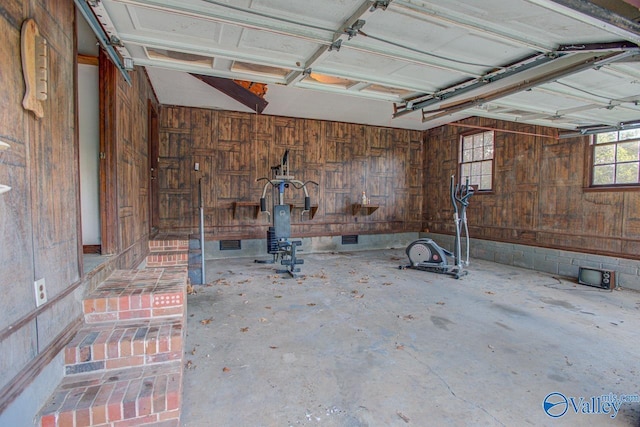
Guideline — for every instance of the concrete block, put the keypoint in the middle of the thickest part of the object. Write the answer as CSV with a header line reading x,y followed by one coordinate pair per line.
x,y
585,263
628,281
504,257
547,251
568,270
629,263
542,264
602,258
524,261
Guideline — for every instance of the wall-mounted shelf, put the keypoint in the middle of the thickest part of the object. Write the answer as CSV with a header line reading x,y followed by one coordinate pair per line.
x,y
312,210
254,205
364,209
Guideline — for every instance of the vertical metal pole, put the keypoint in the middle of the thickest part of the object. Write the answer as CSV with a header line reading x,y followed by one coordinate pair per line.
x,y
201,230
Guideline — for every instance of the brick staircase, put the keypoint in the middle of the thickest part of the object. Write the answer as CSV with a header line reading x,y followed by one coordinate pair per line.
x,y
124,367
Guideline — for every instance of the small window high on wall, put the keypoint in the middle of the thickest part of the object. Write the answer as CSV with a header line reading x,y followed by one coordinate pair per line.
x,y
616,158
476,160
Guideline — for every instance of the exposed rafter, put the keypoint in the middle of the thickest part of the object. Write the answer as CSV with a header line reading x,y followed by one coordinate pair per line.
x,y
235,91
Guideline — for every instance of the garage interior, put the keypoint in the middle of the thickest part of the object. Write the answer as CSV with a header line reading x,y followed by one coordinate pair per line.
x,y
138,137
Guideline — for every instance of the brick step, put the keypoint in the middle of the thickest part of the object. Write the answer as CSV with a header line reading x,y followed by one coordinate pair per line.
x,y
148,395
138,294
168,245
167,258
120,344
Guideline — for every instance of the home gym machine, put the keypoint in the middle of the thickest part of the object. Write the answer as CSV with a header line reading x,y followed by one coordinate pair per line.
x,y
278,235
425,254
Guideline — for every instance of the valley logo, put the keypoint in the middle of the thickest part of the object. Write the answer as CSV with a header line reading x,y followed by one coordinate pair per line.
x,y
557,404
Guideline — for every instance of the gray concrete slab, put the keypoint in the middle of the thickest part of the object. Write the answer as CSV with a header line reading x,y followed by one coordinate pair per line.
x,y
358,342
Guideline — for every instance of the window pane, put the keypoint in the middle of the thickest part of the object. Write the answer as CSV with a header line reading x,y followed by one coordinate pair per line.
x,y
604,154
467,156
606,137
485,182
627,151
488,151
627,173
476,168
486,167
603,175
465,170
478,154
467,143
477,140
475,180
629,134
488,138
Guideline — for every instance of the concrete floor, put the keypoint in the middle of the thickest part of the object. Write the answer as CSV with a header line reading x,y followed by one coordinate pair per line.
x,y
359,342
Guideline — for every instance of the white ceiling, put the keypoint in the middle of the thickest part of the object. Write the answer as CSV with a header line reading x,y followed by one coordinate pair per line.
x,y
411,64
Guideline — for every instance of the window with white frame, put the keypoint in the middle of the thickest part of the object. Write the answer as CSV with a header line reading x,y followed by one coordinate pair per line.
x,y
616,158
476,160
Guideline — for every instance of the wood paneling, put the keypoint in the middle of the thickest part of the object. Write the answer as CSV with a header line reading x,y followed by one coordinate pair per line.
x,y
235,149
538,197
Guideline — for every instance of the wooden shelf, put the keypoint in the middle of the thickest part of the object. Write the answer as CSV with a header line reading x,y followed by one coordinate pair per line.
x,y
254,205
364,209
312,210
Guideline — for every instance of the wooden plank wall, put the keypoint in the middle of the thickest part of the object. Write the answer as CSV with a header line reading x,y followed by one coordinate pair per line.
x,y
235,149
39,217
539,195
132,176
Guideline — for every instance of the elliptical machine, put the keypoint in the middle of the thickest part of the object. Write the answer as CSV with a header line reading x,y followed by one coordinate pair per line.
x,y
425,254
278,236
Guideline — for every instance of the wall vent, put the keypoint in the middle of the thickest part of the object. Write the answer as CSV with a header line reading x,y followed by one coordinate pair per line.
x,y
351,239
230,245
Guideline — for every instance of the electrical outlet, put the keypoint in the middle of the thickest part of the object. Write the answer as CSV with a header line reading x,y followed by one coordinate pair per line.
x,y
41,292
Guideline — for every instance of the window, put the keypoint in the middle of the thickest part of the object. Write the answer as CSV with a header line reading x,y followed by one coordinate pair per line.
x,y
616,158
476,160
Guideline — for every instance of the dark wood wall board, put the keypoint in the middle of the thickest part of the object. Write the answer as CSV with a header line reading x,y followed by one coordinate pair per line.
x,y
244,147
539,196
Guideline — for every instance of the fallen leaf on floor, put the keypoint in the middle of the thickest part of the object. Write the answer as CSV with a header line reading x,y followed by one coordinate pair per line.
x,y
395,258
352,272
403,417
246,329
358,296
272,347
489,292
567,360
365,279
399,347
311,304
355,291
387,284
193,352
440,303
277,296
408,317
189,365
244,281
490,347
190,289
300,282
268,307
206,321
263,320
225,369
242,294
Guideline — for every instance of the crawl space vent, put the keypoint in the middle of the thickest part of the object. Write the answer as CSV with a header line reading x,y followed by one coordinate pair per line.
x,y
351,239
230,245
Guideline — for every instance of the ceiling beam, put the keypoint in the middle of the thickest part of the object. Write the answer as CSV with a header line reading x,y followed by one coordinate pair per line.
x,y
235,91
594,15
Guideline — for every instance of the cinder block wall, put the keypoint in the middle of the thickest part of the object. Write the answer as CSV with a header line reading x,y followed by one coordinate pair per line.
x,y
552,261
